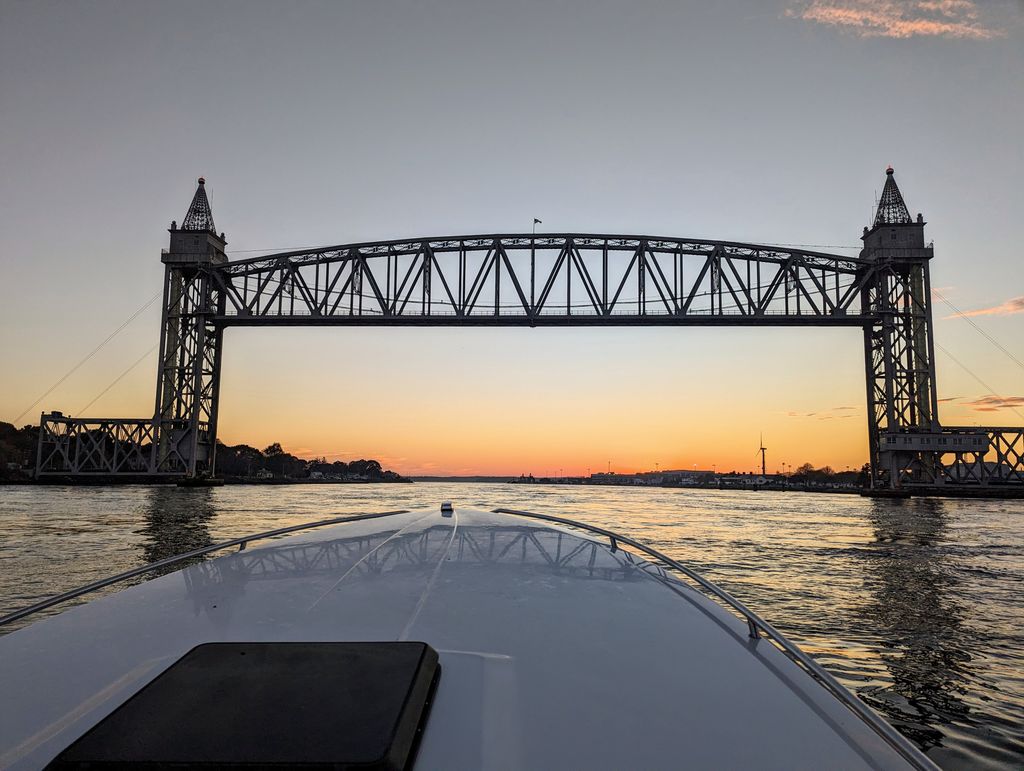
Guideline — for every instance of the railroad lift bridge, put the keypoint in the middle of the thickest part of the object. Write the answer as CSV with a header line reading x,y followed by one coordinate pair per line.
x,y
542,280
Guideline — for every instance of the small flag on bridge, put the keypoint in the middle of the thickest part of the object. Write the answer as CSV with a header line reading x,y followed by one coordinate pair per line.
x,y
537,221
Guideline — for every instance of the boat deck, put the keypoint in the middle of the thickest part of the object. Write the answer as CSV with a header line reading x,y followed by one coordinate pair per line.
x,y
557,650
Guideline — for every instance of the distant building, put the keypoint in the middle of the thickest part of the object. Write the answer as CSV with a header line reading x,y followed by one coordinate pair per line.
x,y
264,474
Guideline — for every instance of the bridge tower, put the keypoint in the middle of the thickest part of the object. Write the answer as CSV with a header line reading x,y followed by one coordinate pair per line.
x,y
898,347
188,376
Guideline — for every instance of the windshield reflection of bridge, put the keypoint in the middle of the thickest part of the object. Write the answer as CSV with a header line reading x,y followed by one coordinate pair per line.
x,y
389,550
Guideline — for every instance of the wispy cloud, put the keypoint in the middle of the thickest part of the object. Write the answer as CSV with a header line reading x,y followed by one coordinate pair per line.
x,y
950,398
898,18
824,414
1008,308
994,403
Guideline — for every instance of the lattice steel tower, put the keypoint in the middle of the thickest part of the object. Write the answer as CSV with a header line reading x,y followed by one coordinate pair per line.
x,y
188,378
898,346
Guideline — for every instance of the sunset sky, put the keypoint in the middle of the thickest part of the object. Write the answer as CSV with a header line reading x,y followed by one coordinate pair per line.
x,y
323,123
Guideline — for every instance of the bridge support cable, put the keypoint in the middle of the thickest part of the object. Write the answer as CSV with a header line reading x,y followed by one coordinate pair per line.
x,y
117,379
989,389
979,330
89,355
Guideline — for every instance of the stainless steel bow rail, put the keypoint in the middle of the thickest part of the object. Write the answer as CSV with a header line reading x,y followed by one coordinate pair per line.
x,y
758,629
240,542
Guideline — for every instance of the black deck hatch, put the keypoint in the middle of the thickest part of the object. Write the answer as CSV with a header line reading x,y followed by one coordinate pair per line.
x,y
272,705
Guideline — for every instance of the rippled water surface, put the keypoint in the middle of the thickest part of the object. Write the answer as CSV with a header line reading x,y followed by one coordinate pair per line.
x,y
917,605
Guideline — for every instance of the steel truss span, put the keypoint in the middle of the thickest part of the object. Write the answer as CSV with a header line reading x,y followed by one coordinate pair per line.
x,y
566,279
94,446
514,279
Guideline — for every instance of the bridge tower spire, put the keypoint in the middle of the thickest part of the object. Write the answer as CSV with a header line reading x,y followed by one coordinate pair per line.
x,y
892,209
188,378
199,217
898,347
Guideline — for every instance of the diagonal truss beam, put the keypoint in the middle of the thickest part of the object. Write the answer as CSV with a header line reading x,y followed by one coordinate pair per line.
x,y
652,280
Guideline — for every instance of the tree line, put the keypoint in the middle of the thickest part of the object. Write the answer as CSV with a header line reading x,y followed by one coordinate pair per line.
x,y
17,445
243,460
808,473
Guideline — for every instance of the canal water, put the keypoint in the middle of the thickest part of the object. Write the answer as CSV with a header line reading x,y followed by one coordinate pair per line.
x,y
917,606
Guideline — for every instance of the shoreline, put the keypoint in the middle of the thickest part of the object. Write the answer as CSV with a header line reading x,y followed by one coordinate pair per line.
x,y
143,481
148,481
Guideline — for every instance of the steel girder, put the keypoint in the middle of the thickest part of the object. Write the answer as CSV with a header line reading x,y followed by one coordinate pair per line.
x,y
511,280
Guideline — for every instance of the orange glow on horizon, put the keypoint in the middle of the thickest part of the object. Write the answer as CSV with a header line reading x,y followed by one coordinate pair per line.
x,y
511,402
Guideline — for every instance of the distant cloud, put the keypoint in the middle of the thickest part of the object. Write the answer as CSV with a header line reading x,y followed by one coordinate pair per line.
x,y
824,414
950,398
1011,306
994,403
898,18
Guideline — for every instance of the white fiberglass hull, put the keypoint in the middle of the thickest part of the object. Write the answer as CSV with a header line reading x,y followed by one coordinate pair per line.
x,y
557,650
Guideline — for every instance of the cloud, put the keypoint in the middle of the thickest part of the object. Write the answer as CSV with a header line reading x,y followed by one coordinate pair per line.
x,y
950,399
1011,306
823,414
898,18
995,403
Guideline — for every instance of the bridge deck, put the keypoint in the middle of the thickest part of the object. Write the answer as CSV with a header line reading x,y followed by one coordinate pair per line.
x,y
435,319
